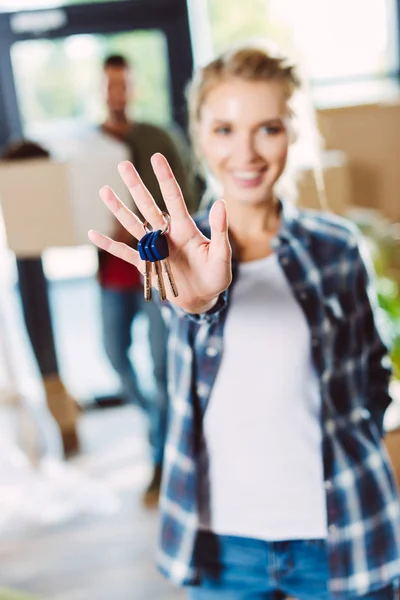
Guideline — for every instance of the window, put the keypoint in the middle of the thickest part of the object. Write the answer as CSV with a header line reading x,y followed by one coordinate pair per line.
x,y
340,39
59,82
16,5
336,41
233,21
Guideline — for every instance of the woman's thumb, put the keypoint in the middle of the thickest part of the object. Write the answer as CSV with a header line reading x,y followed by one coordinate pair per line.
x,y
220,245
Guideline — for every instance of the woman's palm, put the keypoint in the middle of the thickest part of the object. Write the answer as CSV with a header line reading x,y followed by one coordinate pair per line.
x,y
201,267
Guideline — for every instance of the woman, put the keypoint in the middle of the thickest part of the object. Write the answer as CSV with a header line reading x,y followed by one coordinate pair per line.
x,y
276,482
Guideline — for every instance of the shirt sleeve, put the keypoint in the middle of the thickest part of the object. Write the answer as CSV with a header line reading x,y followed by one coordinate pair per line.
x,y
374,332
211,316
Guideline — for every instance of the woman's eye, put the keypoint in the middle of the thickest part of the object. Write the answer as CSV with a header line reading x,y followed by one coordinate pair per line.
x,y
271,129
222,130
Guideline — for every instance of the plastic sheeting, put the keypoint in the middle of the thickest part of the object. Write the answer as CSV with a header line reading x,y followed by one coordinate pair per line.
x,y
36,486
52,493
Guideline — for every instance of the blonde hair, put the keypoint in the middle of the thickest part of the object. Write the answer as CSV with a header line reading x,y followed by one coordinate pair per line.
x,y
258,61
249,62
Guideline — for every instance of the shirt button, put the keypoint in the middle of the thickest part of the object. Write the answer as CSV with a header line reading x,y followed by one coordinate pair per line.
x,y
211,352
285,261
332,528
328,484
315,341
303,295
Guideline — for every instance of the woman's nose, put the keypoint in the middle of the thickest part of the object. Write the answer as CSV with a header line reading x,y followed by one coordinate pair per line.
x,y
245,149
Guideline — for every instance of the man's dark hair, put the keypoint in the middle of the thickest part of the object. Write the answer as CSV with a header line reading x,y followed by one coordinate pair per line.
x,y
22,150
116,60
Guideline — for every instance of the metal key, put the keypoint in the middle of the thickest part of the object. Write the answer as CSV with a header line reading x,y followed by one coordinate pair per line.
x,y
148,267
157,265
159,248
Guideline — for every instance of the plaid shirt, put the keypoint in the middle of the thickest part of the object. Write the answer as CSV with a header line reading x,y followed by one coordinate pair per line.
x,y
322,258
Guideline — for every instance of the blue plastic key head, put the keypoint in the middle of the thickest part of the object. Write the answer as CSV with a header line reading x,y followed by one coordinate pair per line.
x,y
141,246
147,247
157,265
159,246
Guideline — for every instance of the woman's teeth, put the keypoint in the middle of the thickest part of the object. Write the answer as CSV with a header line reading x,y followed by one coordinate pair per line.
x,y
247,175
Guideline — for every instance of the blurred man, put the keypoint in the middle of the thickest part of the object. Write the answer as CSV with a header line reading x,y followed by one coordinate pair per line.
x,y
36,309
121,286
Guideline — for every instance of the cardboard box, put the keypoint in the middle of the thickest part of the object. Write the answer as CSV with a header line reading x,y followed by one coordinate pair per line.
x,y
336,175
54,202
392,428
392,442
370,137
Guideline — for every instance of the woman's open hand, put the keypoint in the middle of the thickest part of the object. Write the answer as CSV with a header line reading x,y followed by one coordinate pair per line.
x,y
201,267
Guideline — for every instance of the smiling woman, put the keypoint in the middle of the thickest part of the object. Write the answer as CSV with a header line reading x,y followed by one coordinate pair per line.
x,y
279,373
242,118
244,130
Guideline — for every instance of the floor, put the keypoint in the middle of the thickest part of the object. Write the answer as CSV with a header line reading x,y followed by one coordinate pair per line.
x,y
79,532
107,551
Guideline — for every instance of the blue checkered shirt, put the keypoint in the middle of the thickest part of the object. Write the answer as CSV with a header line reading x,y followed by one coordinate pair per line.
x,y
323,259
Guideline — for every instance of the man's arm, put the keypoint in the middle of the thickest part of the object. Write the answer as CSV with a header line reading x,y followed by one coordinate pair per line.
x,y
178,153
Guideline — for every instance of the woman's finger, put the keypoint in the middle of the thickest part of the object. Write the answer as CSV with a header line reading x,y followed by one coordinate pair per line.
x,y
170,189
126,217
116,248
141,195
220,245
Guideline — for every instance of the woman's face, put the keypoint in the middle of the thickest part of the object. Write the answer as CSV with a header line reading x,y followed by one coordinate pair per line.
x,y
244,139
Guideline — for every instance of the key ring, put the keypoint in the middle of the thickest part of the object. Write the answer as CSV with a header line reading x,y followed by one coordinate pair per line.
x,y
148,228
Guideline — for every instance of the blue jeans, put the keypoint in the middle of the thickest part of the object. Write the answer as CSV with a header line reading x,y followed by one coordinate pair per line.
x,y
233,568
118,311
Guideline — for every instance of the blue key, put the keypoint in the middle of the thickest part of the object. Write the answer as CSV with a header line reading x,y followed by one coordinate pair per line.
x,y
147,276
159,248
148,249
141,246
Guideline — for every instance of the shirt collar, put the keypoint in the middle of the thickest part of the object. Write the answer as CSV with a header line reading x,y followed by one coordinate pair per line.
x,y
289,216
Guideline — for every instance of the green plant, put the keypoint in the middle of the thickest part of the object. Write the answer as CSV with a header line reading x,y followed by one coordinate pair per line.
x,y
383,243
389,301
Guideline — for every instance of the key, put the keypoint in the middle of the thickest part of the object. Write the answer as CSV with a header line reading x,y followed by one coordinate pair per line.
x,y
148,271
157,266
159,248
148,267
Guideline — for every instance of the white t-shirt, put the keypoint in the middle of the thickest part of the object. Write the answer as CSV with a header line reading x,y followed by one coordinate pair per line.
x,y
261,470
